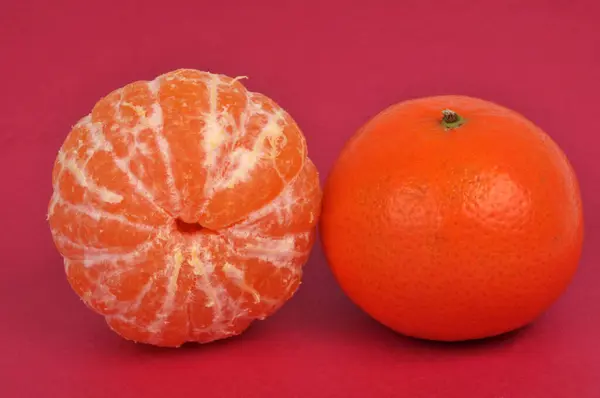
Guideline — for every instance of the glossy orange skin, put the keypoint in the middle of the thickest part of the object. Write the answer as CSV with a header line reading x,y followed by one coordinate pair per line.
x,y
452,234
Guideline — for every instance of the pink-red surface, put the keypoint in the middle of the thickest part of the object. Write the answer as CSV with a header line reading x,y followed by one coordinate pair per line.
x,y
332,65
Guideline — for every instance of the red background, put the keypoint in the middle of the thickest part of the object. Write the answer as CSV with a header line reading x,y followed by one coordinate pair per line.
x,y
332,66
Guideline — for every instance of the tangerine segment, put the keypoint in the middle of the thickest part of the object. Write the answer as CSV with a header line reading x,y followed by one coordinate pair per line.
x,y
294,210
267,153
185,208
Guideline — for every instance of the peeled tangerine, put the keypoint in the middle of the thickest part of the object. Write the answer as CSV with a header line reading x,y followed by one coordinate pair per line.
x,y
184,207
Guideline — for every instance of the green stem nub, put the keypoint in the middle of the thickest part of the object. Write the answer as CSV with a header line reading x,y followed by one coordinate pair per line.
x,y
451,119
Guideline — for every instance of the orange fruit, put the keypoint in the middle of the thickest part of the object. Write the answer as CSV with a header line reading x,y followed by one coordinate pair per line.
x,y
452,218
185,208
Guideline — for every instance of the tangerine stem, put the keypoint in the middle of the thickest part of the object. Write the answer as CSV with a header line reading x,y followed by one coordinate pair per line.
x,y
451,119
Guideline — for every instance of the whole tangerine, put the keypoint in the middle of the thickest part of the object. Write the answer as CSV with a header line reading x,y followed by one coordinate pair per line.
x,y
185,208
452,218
